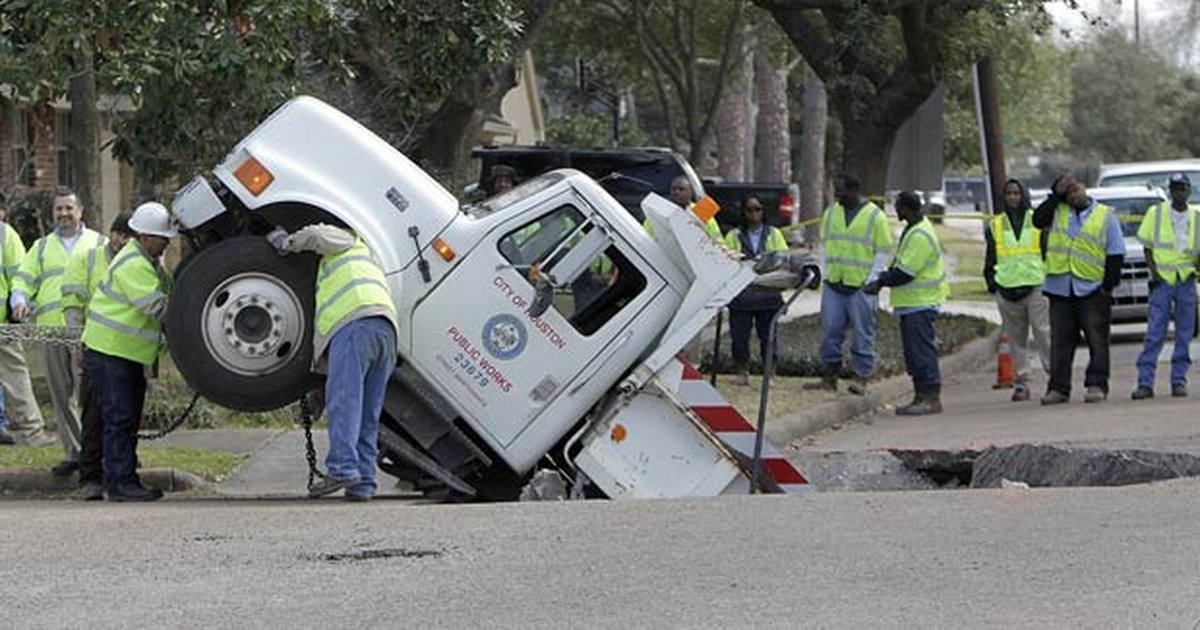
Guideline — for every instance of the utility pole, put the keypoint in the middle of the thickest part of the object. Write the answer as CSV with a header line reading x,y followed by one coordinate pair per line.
x,y
987,108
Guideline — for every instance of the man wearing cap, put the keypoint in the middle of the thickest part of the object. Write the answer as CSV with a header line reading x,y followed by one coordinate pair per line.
x,y
85,270
122,336
1084,253
37,293
1171,236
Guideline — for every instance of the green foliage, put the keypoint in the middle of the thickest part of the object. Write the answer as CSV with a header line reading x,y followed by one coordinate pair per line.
x,y
209,465
30,215
590,130
1035,94
1131,104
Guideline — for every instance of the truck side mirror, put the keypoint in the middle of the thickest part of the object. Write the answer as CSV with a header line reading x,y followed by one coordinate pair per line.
x,y
543,296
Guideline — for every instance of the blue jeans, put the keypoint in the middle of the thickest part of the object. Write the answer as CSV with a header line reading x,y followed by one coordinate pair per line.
x,y
740,323
120,385
362,357
919,340
839,312
1169,303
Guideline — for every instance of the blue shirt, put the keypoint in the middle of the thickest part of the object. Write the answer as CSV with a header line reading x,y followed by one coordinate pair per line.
x,y
1068,284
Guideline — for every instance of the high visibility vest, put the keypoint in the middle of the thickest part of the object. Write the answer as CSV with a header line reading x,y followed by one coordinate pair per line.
x,y
1157,232
773,241
919,254
348,282
41,275
10,261
711,227
124,315
1082,256
850,249
1018,261
84,272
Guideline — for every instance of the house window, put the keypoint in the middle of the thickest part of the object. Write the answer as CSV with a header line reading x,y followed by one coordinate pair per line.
x,y
62,144
24,170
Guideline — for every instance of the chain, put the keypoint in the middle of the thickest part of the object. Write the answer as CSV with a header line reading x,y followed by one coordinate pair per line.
x,y
310,451
178,422
33,333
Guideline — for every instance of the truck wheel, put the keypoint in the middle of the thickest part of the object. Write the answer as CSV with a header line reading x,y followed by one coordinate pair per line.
x,y
240,324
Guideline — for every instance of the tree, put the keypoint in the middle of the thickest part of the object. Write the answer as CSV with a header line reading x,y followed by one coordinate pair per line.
x,y
1035,95
880,60
1126,102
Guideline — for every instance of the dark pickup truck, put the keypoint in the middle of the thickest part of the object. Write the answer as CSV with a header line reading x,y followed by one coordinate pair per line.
x,y
626,173
778,200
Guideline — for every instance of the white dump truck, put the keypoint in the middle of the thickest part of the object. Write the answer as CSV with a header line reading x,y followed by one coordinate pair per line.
x,y
539,328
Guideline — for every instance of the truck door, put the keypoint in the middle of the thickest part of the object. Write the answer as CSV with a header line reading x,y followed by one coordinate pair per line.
x,y
506,366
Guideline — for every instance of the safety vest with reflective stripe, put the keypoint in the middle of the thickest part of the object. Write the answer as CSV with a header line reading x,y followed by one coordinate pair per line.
x,y
84,272
40,277
711,227
850,249
773,241
1082,256
10,260
348,282
1157,232
124,316
919,254
1018,261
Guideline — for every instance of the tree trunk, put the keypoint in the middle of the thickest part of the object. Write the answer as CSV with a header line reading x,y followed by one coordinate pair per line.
x,y
812,153
733,118
84,149
868,144
773,158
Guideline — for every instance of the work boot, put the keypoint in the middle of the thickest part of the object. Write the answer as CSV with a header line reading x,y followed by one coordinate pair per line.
x,y
1142,393
331,484
6,438
1095,395
828,380
925,403
133,493
37,438
858,386
1055,397
92,491
1179,390
65,468
1020,392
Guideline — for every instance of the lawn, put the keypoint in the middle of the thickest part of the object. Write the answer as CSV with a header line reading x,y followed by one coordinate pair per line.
x,y
208,465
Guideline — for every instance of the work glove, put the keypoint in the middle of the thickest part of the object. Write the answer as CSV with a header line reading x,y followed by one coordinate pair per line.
x,y
278,239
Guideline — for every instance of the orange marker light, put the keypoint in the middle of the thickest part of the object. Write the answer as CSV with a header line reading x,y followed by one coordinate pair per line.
x,y
706,208
443,249
619,433
254,176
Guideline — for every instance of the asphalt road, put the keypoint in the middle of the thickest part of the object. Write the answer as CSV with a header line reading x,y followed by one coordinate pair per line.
x,y
1082,557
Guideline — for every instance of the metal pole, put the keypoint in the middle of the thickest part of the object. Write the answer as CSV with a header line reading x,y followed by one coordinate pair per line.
x,y
716,358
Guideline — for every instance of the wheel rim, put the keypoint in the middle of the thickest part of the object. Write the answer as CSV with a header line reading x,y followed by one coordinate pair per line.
x,y
253,324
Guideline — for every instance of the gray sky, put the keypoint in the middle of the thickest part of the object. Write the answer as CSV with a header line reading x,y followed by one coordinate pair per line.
x,y
1155,17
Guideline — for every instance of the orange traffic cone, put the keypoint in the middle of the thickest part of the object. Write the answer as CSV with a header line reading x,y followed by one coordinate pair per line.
x,y
1006,373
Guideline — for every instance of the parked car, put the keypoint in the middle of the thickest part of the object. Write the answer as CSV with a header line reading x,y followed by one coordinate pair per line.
x,y
1131,298
1150,174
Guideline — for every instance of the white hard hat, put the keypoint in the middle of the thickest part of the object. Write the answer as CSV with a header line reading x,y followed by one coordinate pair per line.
x,y
152,218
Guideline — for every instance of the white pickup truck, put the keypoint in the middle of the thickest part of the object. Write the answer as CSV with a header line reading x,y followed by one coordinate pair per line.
x,y
539,328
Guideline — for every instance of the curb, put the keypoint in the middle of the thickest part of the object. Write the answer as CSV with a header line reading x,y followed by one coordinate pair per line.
x,y
785,430
36,483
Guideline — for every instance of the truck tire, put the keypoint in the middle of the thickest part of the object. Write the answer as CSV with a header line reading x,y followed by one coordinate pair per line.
x,y
240,324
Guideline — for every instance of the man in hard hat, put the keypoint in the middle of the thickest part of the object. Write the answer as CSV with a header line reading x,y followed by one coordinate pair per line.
x,y
354,341
122,336
37,293
1170,232
85,270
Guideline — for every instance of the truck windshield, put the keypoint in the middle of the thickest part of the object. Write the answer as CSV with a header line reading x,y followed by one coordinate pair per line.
x,y
511,196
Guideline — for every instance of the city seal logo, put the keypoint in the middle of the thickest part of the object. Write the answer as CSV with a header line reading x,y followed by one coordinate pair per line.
x,y
504,336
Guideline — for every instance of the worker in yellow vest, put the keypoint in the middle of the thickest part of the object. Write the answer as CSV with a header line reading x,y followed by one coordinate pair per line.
x,y
1084,253
21,421
122,337
919,287
1171,235
855,245
1013,270
754,307
85,270
37,295
682,195
354,340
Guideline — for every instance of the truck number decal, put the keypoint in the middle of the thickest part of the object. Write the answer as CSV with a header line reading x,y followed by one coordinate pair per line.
x,y
481,370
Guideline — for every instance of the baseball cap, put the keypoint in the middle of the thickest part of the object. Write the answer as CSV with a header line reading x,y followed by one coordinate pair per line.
x,y
1179,179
